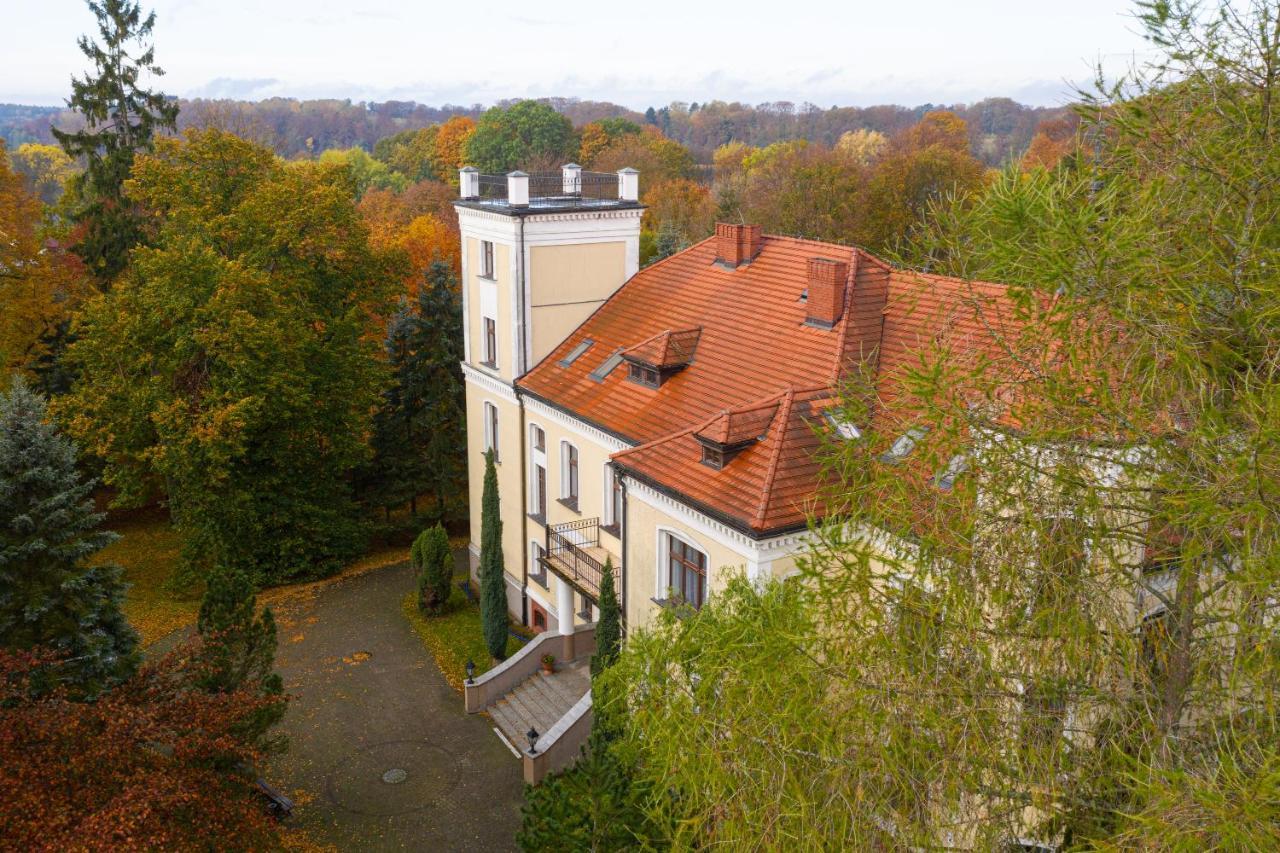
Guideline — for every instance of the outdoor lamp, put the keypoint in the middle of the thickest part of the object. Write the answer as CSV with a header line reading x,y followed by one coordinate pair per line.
x,y
471,671
532,735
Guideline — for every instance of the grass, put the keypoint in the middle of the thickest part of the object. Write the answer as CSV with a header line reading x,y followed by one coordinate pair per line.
x,y
148,551
454,637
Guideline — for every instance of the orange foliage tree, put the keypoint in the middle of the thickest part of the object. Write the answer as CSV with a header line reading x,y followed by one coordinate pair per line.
x,y
40,283
1054,140
151,765
681,205
451,147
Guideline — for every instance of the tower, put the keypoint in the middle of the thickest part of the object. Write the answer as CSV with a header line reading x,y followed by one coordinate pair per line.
x,y
539,254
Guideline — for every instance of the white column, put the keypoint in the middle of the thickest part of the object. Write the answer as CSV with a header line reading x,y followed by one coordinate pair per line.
x,y
628,184
564,603
572,178
517,189
469,182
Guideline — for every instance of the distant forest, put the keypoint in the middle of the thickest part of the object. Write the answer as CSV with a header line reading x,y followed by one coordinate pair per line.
x,y
999,128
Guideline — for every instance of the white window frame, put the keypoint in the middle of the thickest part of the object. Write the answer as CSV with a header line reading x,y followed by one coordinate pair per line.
x,y
612,493
570,474
537,461
665,535
489,343
537,549
488,266
491,427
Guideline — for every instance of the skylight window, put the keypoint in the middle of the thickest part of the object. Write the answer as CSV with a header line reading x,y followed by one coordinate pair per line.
x,y
845,429
902,448
607,366
946,478
576,352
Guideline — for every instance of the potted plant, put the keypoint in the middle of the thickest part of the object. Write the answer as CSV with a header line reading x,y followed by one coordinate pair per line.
x,y
549,664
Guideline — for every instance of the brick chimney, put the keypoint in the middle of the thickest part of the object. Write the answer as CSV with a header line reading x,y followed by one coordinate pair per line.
x,y
826,292
737,244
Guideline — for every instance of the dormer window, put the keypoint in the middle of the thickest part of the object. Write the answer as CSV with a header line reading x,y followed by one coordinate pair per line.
x,y
654,361
713,457
645,375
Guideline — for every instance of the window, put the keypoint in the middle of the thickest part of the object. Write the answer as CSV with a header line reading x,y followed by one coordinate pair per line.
x,y
584,609
539,507
606,367
712,457
576,352
613,506
903,446
688,572
490,342
491,429
644,375
845,429
536,570
486,258
569,474
537,438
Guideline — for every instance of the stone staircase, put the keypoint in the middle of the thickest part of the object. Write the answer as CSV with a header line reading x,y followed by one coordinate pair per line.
x,y
540,701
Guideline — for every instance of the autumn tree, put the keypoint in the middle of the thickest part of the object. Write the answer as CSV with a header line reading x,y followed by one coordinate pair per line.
x,y
365,172
51,595
150,765
596,136
46,168
861,146
229,373
449,152
41,283
408,153
121,120
527,135
654,155
683,206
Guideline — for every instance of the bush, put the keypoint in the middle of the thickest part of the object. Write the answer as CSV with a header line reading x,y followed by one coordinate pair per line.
x,y
431,557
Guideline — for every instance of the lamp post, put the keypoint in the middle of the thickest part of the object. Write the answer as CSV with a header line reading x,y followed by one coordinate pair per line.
x,y
532,735
471,671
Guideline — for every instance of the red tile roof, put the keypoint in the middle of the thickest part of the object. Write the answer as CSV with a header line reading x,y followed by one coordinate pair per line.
x,y
757,367
666,349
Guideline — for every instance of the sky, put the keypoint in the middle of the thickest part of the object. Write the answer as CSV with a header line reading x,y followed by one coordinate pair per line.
x,y
828,52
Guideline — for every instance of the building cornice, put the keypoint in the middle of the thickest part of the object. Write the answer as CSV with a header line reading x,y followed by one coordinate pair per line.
x,y
570,420
764,548
489,382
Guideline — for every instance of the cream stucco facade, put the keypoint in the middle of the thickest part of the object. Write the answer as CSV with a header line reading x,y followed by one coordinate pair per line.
x,y
549,272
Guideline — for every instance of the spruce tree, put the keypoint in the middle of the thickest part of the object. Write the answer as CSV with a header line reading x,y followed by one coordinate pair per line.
x,y
419,438
49,596
493,584
434,562
121,119
239,646
609,628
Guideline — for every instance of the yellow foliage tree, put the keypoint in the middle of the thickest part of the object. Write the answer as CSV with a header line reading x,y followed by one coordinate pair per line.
x,y
47,169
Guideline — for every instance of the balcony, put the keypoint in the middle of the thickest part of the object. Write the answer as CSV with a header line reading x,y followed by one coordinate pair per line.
x,y
571,188
574,554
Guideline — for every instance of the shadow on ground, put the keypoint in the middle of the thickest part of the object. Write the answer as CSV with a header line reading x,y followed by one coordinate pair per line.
x,y
382,755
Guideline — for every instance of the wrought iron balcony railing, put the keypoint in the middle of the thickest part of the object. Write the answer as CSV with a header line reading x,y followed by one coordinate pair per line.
x,y
574,554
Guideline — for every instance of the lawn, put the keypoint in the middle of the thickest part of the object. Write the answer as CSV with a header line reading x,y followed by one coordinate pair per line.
x,y
148,550
454,637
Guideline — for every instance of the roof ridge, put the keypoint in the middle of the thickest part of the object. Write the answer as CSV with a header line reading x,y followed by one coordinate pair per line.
x,y
766,493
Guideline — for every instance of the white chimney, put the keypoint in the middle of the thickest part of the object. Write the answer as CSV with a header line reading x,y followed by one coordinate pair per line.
x,y
517,189
628,184
469,182
572,173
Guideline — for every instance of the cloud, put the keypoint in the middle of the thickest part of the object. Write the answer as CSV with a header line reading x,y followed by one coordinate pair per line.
x,y
235,87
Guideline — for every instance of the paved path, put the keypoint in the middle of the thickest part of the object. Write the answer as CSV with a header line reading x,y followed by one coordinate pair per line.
x,y
368,701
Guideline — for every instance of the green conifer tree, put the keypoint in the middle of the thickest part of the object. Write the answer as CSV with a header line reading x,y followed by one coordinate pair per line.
x,y
49,596
120,120
239,647
493,584
609,628
434,562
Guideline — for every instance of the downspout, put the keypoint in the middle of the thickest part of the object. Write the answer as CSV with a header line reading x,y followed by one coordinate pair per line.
x,y
622,569
524,442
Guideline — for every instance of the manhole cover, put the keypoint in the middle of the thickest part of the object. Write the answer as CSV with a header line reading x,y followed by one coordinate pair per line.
x,y
394,776
420,775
